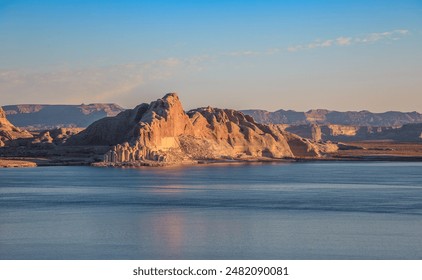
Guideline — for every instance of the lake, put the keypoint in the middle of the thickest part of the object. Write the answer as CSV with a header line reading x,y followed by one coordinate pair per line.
x,y
316,210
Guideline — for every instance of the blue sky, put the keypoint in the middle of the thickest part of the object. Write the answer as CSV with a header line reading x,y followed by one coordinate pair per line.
x,y
343,55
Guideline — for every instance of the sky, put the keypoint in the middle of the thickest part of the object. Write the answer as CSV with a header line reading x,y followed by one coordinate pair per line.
x,y
299,55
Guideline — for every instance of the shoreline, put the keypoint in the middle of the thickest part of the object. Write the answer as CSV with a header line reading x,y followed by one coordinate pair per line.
x,y
91,156
14,162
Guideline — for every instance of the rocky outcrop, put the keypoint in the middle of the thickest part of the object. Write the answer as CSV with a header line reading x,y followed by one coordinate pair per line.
x,y
311,131
341,130
326,117
56,136
232,134
8,131
163,132
45,117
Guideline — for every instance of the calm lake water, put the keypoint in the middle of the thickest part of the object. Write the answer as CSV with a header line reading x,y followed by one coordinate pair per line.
x,y
336,210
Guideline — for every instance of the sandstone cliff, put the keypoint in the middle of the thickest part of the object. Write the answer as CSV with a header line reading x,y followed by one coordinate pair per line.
x,y
163,132
8,131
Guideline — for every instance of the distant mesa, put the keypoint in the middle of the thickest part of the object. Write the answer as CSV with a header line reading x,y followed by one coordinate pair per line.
x,y
326,117
325,125
35,117
333,132
43,117
163,132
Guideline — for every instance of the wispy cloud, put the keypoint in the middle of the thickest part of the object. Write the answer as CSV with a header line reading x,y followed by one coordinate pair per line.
x,y
390,35
243,53
339,41
100,84
347,41
105,84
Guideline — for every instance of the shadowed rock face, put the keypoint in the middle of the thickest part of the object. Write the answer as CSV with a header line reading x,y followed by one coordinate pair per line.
x,y
111,130
8,131
162,131
55,136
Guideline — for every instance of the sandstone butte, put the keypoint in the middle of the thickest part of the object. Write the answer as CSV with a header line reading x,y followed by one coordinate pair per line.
x,y
8,131
162,133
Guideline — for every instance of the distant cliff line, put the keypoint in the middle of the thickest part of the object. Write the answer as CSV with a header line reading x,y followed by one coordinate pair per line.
x,y
47,116
327,117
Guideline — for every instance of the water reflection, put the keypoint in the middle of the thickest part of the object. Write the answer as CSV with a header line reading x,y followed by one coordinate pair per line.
x,y
168,189
168,230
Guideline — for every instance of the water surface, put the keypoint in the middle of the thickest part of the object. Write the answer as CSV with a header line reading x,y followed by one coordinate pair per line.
x,y
335,210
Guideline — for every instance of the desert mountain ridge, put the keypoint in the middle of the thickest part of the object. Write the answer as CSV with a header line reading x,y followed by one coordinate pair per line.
x,y
44,116
411,132
328,117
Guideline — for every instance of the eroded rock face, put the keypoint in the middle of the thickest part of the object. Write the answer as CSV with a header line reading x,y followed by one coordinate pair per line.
x,y
163,132
8,131
232,134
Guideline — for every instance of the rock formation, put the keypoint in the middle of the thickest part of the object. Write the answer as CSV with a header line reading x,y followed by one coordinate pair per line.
x,y
163,132
326,117
44,117
346,133
8,131
55,136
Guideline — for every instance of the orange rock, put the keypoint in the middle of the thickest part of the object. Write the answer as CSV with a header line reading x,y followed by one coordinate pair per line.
x,y
162,131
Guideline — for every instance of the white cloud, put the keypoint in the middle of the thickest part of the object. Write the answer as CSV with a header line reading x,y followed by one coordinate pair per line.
x,y
347,41
390,35
343,41
242,53
111,83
